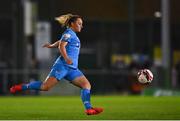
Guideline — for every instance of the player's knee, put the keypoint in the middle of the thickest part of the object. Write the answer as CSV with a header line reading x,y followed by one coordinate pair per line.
x,y
86,86
45,87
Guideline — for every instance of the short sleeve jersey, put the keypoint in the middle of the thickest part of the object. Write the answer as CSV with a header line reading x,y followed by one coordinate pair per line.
x,y
72,47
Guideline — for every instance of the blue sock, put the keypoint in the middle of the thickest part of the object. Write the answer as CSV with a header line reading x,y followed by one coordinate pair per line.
x,y
34,85
85,96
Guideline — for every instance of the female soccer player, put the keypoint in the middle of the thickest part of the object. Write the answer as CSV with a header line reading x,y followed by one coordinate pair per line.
x,y
66,65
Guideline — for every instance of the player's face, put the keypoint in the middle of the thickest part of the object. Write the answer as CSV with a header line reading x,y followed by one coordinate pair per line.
x,y
77,25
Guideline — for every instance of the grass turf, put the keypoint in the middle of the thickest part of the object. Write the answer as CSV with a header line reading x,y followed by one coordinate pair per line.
x,y
70,108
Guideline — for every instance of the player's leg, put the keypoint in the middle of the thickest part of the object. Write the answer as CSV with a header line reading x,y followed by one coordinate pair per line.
x,y
35,85
78,79
85,86
48,83
56,73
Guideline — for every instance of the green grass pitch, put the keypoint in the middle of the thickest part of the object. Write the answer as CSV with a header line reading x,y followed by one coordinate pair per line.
x,y
71,108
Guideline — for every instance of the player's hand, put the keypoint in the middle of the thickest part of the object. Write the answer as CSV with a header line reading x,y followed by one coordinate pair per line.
x,y
69,61
47,45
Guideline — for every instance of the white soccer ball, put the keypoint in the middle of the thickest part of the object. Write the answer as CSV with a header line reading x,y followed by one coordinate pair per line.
x,y
145,76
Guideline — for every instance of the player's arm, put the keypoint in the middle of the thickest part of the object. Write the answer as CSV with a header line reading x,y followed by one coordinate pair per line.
x,y
54,45
62,49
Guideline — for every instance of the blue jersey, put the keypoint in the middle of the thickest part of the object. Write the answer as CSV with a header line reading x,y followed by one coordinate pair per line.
x,y
72,48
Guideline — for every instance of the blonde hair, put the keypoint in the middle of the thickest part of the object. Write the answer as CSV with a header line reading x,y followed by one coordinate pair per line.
x,y
63,19
66,19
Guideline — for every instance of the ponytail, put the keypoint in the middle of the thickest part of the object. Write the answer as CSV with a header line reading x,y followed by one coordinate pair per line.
x,y
65,20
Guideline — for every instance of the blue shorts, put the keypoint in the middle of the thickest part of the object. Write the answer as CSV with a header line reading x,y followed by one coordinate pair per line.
x,y
60,71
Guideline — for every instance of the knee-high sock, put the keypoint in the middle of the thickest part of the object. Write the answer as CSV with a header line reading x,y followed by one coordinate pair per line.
x,y
85,96
35,85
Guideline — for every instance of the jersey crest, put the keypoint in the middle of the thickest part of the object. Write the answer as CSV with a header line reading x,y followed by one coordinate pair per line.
x,y
66,36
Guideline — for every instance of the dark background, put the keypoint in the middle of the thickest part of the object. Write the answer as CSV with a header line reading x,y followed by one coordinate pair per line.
x,y
118,37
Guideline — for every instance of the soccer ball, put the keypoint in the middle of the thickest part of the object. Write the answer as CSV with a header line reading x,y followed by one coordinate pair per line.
x,y
145,76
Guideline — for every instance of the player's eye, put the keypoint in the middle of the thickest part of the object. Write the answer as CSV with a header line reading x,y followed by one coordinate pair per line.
x,y
80,24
